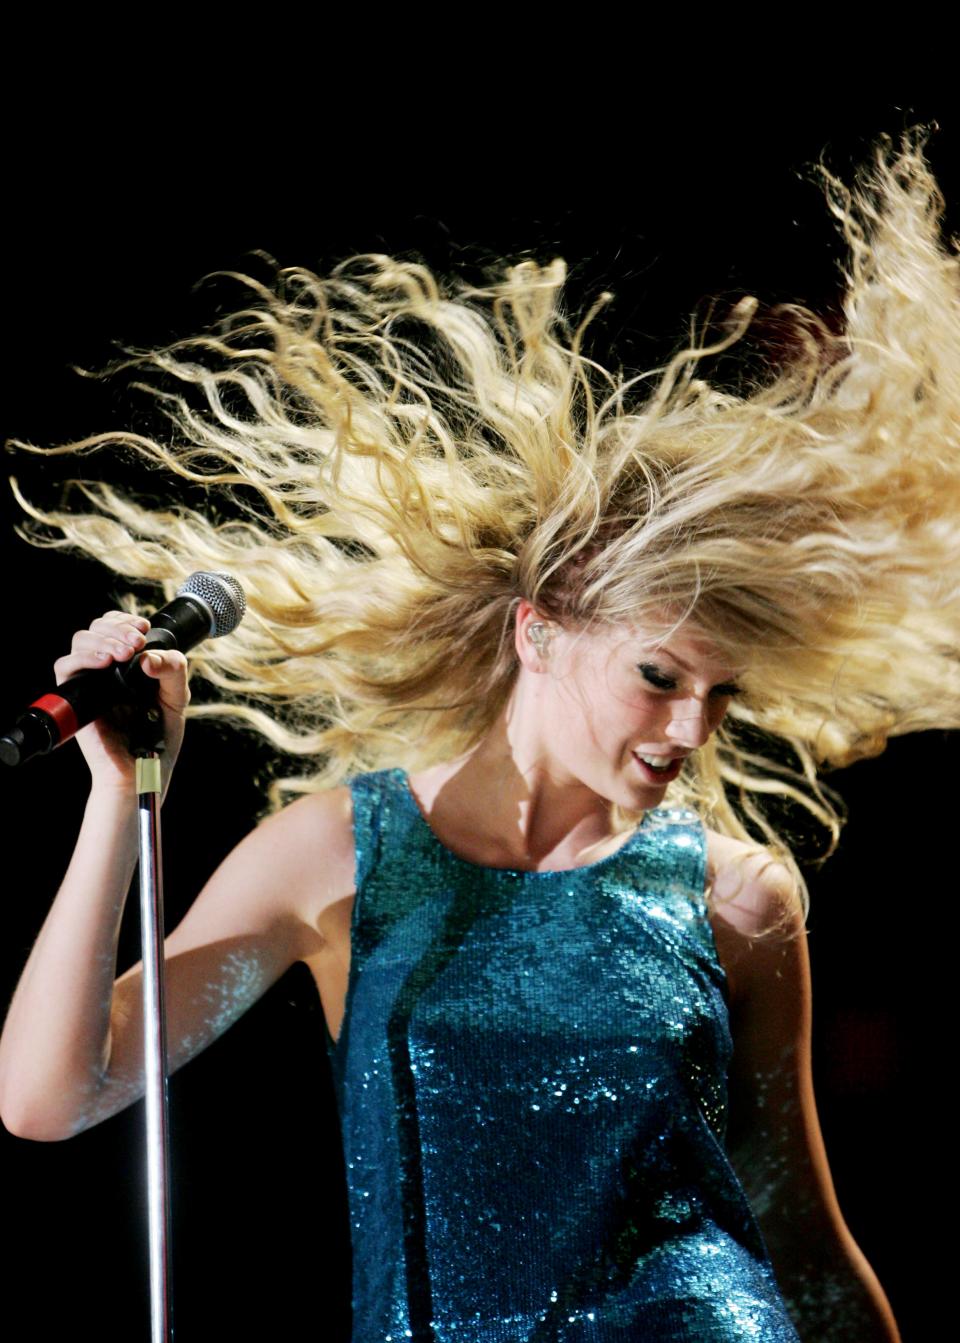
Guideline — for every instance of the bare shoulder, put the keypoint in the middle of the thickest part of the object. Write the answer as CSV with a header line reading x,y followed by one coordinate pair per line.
x,y
311,841
284,873
749,889
753,903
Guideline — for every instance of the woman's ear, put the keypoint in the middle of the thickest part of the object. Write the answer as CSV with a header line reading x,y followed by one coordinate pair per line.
x,y
533,637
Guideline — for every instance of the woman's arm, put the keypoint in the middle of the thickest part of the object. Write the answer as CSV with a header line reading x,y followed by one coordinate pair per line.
x,y
71,1053
774,1136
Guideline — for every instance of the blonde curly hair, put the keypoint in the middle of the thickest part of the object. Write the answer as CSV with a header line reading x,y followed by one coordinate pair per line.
x,y
426,453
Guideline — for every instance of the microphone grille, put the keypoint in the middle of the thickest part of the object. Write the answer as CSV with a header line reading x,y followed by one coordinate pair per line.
x,y
221,594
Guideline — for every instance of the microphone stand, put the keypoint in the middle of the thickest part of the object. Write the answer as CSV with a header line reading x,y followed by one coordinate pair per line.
x,y
207,604
145,735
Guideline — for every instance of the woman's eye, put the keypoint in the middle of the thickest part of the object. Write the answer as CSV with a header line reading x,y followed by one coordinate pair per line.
x,y
657,678
663,682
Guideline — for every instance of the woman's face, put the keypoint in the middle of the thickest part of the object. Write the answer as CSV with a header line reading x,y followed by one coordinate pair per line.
x,y
623,709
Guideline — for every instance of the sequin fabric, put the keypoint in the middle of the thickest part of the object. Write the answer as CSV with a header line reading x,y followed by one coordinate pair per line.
x,y
530,1077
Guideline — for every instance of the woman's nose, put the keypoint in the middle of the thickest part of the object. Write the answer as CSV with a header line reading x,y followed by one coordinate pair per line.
x,y
690,724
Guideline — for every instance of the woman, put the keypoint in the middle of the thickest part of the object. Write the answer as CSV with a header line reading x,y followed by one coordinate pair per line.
x,y
508,603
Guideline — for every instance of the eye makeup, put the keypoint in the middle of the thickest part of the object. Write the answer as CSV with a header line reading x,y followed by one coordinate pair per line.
x,y
662,681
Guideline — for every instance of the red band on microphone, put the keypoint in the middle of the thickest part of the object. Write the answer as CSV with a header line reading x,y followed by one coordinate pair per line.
x,y
61,711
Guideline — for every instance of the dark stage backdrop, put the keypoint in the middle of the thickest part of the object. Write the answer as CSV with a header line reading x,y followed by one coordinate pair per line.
x,y
717,206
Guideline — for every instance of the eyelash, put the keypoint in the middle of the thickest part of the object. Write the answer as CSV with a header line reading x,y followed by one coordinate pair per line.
x,y
661,682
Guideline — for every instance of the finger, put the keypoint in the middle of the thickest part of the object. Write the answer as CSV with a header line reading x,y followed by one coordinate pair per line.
x,y
111,641
114,621
91,650
164,663
169,667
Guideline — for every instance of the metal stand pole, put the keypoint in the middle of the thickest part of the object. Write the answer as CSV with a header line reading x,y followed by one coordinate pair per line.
x,y
155,1048
206,605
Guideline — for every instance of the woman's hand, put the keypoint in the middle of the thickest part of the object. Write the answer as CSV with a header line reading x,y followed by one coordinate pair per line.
x,y
118,636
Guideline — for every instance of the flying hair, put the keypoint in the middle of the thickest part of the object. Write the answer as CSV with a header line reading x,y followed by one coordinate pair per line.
x,y
401,458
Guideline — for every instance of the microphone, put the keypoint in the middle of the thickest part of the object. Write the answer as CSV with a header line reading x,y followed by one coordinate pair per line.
x,y
207,605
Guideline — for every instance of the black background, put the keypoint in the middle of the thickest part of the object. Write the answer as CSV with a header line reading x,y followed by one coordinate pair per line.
x,y
112,224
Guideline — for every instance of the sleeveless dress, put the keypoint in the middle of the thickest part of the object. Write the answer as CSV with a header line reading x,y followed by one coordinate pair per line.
x,y
530,1078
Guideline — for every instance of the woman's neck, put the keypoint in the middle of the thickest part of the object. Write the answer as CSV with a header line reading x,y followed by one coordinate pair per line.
x,y
507,801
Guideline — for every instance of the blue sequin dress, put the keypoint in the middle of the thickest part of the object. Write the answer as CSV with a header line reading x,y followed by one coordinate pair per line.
x,y
530,1077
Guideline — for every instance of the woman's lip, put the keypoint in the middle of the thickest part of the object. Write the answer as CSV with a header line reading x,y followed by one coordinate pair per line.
x,y
660,776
